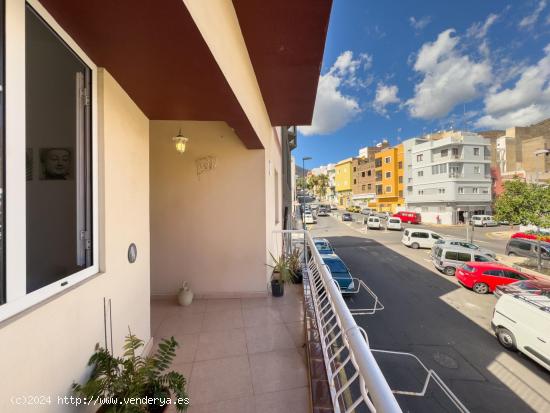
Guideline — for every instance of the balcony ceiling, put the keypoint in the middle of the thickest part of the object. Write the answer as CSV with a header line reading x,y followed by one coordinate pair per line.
x,y
285,41
157,54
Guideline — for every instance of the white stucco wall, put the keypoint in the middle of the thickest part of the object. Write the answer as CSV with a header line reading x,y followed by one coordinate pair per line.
x,y
47,348
208,230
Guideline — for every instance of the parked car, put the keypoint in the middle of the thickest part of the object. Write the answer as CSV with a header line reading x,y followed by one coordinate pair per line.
x,y
333,207
483,277
409,217
527,248
353,209
367,211
383,215
447,258
531,235
466,244
373,222
535,287
394,223
339,272
483,221
323,246
419,238
346,216
309,218
322,212
519,324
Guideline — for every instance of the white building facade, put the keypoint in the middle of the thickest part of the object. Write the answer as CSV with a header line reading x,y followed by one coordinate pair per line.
x,y
447,176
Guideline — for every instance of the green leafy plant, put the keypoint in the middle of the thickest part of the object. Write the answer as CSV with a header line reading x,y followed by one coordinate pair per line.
x,y
133,376
282,271
295,262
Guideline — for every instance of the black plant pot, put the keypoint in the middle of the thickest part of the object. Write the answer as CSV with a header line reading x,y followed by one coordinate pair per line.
x,y
299,277
277,288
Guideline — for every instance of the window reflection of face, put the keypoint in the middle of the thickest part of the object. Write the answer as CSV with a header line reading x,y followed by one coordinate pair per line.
x,y
57,163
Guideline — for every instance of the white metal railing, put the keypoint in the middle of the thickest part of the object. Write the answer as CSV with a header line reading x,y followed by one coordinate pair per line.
x,y
355,378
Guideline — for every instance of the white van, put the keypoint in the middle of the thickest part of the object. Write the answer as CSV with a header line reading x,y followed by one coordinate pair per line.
x,y
309,219
522,322
373,222
394,223
419,238
483,221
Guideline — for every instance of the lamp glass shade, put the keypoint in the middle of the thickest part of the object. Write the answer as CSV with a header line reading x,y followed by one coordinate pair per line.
x,y
180,143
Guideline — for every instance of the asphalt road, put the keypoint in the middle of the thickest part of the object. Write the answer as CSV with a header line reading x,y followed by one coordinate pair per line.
x,y
445,325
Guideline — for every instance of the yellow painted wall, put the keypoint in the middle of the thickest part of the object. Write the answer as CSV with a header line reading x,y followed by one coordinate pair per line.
x,y
388,201
343,177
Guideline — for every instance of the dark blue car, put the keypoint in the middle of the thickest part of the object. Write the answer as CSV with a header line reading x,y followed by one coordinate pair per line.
x,y
339,272
323,246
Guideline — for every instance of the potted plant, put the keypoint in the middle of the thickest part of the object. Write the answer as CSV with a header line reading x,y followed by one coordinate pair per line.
x,y
115,380
282,273
296,265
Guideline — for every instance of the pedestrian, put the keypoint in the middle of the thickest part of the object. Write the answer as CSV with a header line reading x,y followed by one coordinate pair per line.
x,y
438,220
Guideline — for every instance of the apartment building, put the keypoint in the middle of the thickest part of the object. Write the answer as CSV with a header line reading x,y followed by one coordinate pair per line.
x,y
389,175
147,106
364,183
446,175
343,182
524,152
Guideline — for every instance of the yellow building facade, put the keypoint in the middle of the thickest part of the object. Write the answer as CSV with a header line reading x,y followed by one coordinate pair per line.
x,y
389,170
343,181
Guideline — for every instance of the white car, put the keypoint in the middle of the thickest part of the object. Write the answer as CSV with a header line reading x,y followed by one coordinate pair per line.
x,y
394,223
373,222
419,238
309,219
522,322
483,221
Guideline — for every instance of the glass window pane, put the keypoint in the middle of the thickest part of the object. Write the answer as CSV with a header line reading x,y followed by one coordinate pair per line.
x,y
58,153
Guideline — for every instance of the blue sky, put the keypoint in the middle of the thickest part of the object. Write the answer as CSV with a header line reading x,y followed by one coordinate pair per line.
x,y
396,69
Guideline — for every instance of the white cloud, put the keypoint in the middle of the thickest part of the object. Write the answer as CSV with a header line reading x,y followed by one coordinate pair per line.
x,y
385,95
527,102
449,78
528,21
479,30
419,24
333,108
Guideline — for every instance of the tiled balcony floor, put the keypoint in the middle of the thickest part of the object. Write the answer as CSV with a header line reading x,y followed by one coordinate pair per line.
x,y
239,355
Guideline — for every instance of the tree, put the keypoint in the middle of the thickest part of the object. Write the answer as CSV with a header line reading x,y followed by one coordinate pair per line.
x,y
526,204
322,185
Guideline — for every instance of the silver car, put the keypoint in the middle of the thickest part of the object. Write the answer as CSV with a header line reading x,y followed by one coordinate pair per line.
x,y
447,258
465,244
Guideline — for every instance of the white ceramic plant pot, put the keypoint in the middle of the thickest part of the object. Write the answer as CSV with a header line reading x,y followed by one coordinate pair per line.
x,y
185,295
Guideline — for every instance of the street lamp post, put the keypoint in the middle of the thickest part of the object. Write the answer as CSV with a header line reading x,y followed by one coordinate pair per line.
x,y
304,159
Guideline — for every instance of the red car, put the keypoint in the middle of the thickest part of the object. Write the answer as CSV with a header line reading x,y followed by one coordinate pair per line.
x,y
530,235
410,217
483,277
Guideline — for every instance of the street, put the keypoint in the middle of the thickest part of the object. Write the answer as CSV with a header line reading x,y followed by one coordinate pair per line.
x,y
431,316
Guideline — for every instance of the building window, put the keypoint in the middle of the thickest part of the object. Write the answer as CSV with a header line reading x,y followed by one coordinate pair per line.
x,y
476,151
420,192
441,190
475,190
477,170
400,179
369,186
435,169
55,198
444,153
363,174
362,187
388,174
400,194
460,189
400,164
378,189
419,158
354,169
387,159
354,181
484,190
454,152
369,173
420,173
378,175
388,189
378,162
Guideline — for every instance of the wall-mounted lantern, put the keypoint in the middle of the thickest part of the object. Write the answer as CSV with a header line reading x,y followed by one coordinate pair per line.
x,y
180,141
